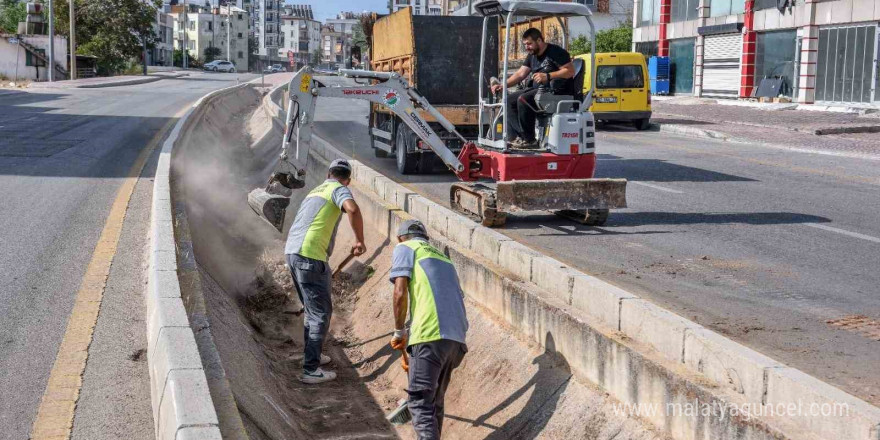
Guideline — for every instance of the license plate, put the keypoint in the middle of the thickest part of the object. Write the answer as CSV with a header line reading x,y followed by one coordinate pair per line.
x,y
610,100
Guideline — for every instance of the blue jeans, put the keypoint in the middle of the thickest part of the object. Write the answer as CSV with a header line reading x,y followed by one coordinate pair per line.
x,y
312,281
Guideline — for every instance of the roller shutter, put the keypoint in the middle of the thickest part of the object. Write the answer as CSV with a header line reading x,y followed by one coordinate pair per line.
x,y
721,58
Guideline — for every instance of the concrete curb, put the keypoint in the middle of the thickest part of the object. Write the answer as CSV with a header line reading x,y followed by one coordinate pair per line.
x,y
640,353
686,130
72,85
182,404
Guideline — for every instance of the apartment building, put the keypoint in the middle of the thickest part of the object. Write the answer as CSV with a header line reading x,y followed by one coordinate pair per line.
x,y
301,34
812,51
224,28
422,7
336,37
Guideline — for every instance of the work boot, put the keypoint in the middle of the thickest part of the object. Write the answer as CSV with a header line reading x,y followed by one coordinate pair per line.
x,y
317,376
516,143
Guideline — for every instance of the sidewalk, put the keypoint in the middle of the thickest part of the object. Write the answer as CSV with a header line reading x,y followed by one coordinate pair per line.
x,y
850,134
113,81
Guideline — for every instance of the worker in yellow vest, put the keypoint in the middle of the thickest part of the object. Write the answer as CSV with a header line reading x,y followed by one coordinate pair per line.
x,y
308,247
426,284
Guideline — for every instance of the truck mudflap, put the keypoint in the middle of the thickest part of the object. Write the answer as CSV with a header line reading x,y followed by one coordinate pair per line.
x,y
560,195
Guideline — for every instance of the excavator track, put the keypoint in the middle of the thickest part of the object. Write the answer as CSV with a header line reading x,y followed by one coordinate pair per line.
x,y
478,202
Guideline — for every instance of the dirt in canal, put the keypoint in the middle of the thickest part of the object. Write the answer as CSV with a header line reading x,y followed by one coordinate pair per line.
x,y
506,388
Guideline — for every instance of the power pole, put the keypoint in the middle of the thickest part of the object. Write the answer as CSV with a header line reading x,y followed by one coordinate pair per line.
x,y
72,42
228,32
51,43
185,31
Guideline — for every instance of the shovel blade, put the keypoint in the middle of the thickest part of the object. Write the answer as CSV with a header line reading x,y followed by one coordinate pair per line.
x,y
270,207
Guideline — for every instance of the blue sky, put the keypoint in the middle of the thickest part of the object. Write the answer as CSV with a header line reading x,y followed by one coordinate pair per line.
x,y
325,9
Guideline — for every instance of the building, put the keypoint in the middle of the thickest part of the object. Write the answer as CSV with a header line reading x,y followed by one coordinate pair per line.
x,y
811,51
422,7
207,30
301,34
336,38
267,28
26,57
163,52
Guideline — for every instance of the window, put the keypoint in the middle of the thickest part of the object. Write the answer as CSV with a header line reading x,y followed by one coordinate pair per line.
x,y
619,77
845,67
718,8
31,60
239,16
683,10
239,34
649,12
774,58
647,48
240,54
681,59
210,25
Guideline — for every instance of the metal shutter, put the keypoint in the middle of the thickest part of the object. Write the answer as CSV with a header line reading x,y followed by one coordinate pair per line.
x,y
721,72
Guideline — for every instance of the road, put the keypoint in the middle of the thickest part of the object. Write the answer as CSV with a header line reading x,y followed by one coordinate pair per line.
x,y
64,155
760,244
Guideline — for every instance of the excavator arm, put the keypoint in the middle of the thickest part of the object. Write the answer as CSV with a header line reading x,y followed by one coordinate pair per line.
x,y
392,91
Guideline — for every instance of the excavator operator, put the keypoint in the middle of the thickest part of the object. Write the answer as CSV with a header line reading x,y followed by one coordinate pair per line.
x,y
551,69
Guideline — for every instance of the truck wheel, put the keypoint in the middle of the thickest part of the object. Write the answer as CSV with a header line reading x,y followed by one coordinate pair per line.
x,y
407,163
642,124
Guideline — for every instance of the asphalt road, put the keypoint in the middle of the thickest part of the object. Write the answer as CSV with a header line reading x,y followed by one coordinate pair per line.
x,y
760,244
63,156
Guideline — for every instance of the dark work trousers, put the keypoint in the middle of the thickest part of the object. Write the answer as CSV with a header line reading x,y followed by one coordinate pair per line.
x,y
520,114
430,368
312,280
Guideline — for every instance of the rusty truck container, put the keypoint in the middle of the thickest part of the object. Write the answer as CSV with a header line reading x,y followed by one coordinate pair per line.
x,y
440,57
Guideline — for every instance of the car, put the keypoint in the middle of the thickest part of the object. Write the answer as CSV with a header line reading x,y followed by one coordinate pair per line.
x,y
622,88
225,66
211,66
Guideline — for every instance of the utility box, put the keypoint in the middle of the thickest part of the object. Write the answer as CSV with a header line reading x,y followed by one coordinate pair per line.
x,y
658,71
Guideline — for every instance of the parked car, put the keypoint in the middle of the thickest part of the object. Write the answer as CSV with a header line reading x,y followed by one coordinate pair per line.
x,y
220,66
275,68
622,89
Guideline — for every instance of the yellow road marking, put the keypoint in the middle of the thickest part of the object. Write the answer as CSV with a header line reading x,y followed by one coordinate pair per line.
x,y
55,415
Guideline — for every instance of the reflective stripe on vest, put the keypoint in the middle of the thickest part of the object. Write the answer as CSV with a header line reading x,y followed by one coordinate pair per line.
x,y
317,239
436,305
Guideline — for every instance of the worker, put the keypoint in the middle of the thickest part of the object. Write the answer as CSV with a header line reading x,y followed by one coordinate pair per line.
x,y
308,247
426,285
551,69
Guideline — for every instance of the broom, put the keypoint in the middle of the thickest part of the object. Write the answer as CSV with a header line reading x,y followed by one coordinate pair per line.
x,y
401,414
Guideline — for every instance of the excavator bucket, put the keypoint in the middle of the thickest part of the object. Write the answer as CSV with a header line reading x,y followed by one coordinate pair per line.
x,y
560,195
270,207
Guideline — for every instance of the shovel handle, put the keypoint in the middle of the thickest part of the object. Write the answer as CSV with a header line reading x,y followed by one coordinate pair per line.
x,y
344,263
404,360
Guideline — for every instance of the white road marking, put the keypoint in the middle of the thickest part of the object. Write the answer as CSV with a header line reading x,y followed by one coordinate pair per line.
x,y
658,187
847,233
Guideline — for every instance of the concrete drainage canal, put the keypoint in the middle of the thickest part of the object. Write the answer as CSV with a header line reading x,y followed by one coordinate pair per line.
x,y
243,307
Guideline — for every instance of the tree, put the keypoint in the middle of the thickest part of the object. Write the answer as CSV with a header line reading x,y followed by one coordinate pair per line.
x,y
317,55
178,58
618,39
359,39
11,12
114,31
211,53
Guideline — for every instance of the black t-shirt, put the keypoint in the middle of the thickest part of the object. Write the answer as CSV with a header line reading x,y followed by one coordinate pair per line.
x,y
551,60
